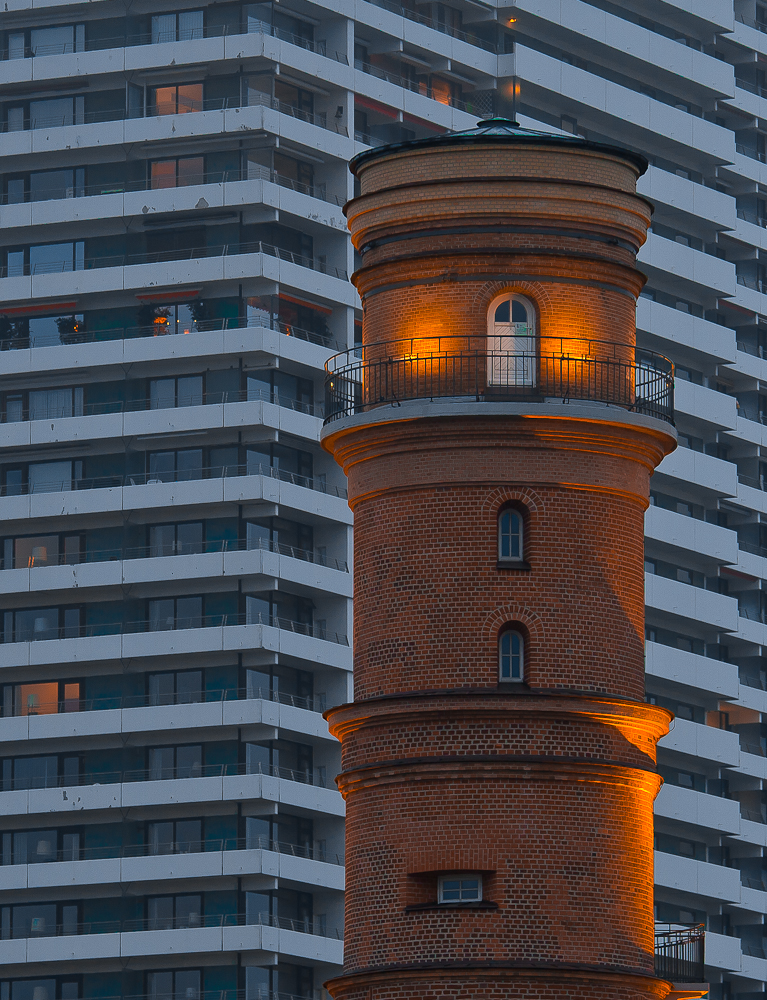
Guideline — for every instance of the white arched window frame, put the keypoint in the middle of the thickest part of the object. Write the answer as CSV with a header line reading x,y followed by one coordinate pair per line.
x,y
511,656
511,546
512,342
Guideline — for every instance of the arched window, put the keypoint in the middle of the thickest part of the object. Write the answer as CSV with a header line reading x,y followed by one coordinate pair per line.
x,y
511,656
510,536
511,342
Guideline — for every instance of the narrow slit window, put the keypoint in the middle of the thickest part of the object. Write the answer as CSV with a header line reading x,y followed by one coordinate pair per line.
x,y
510,545
511,656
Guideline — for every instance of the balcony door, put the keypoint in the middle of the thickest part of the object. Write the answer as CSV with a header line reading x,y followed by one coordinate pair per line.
x,y
511,342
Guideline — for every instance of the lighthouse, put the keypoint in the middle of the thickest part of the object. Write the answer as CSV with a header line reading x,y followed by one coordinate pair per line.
x,y
498,428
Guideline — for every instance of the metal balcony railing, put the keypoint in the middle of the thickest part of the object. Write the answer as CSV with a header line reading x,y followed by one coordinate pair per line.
x,y
117,702
164,551
79,335
120,851
679,953
316,776
46,632
167,256
252,172
567,369
316,926
179,476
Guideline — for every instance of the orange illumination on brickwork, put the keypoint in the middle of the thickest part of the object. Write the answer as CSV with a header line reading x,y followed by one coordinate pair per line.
x,y
543,788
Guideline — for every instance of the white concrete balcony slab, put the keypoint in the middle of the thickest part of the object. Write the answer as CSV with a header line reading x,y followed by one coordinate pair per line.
x,y
179,941
688,534
698,809
705,607
682,195
695,267
713,475
709,408
700,673
697,877
619,111
723,952
73,948
703,742
635,44
695,335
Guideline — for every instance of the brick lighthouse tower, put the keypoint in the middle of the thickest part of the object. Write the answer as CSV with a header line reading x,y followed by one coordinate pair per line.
x,y
499,429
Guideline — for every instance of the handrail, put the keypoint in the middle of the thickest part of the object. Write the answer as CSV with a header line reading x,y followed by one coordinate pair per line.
x,y
155,479
159,551
315,926
191,35
84,336
199,621
119,702
679,953
249,395
390,373
316,776
254,171
118,852
166,256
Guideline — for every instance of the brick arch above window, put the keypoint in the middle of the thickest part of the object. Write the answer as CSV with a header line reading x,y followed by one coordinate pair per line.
x,y
511,614
528,500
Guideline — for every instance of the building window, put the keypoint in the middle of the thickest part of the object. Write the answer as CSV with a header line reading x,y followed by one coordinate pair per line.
x,y
460,889
511,656
511,342
510,536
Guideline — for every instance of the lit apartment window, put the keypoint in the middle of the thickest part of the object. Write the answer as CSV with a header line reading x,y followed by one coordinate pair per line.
x,y
510,541
460,889
511,656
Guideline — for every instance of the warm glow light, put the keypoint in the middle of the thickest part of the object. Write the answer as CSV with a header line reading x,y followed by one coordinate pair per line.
x,y
512,20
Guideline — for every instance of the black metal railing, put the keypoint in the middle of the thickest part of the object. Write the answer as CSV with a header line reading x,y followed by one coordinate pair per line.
x,y
316,483
55,632
117,852
84,336
679,954
168,256
559,368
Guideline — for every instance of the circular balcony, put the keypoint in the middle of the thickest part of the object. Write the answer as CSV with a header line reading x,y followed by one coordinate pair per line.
x,y
499,370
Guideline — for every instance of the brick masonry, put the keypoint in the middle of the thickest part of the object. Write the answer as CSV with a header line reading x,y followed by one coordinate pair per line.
x,y
545,788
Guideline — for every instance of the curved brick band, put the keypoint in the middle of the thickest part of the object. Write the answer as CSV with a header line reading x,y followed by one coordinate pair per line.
x,y
541,789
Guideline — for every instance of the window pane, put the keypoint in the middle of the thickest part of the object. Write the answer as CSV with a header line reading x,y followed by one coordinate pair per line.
x,y
16,116
188,836
161,689
189,464
33,989
162,539
189,537
161,615
163,28
16,51
50,404
189,97
163,174
162,466
162,393
160,912
37,699
48,184
40,550
160,985
35,772
40,623
37,920
160,839
52,41
189,687
256,907
14,409
51,113
165,100
70,847
190,171
188,911
190,390
189,761
188,612
189,25
50,477
160,763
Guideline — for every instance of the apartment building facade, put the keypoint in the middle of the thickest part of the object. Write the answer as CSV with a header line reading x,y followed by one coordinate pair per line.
x,y
176,575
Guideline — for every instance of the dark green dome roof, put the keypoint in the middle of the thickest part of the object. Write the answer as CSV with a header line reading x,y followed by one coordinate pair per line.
x,y
499,130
